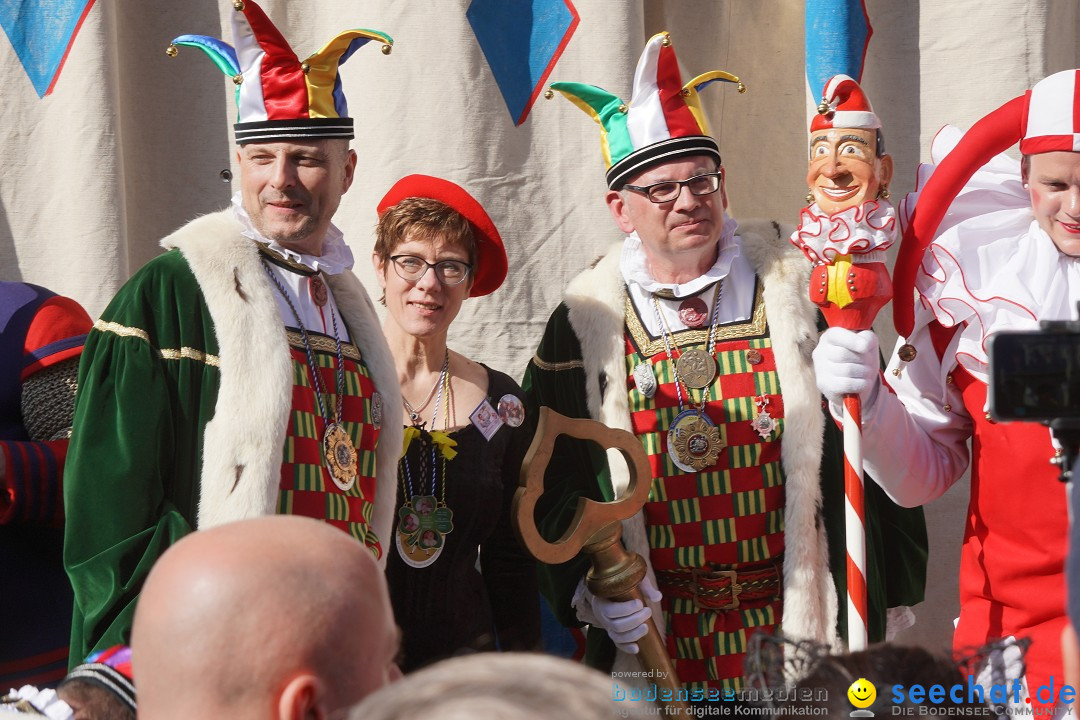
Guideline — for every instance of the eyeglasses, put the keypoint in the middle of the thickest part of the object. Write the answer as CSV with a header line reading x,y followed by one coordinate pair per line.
x,y
669,190
412,268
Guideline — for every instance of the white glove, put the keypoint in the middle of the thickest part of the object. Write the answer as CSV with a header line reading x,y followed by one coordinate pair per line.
x,y
625,621
846,363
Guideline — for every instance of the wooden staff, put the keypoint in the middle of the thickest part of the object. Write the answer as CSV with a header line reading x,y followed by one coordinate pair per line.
x,y
596,529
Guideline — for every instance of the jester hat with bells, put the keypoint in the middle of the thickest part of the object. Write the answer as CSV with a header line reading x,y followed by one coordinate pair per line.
x,y
278,97
844,105
664,120
1044,119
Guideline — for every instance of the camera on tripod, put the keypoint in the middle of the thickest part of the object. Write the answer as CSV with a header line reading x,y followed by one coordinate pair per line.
x,y
1035,377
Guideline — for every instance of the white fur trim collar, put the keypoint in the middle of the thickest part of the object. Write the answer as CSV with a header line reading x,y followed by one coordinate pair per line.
x,y
595,301
242,445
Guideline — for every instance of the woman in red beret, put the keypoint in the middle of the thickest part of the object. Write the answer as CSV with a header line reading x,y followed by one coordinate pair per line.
x,y
465,438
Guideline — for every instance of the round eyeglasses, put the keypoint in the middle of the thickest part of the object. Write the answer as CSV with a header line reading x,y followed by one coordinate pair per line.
x,y
669,190
412,268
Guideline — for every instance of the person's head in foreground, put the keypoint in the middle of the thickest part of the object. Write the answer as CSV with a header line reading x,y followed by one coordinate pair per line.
x,y
276,617
101,688
500,686
882,680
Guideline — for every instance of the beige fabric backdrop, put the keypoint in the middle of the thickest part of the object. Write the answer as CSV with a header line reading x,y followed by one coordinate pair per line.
x,y
130,143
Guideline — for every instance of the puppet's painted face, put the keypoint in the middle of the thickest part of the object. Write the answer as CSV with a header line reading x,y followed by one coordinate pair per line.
x,y
845,170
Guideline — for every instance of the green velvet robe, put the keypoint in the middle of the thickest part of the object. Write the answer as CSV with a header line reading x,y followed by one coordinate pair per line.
x,y
184,397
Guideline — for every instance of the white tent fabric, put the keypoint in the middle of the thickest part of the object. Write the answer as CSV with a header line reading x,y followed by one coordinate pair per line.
x,y
130,143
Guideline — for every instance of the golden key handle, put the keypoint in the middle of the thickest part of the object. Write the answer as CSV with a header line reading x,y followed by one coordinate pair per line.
x,y
591,516
597,529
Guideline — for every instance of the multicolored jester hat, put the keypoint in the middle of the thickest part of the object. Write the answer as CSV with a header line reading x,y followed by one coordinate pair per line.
x,y
278,96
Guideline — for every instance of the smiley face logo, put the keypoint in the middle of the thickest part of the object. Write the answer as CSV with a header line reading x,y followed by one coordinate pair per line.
x,y
862,693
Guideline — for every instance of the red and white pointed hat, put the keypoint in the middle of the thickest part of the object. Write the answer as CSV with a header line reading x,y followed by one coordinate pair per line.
x,y
844,105
1052,120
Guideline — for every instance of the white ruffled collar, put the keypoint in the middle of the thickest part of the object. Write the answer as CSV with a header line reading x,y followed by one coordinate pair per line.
x,y
336,256
635,270
994,269
868,228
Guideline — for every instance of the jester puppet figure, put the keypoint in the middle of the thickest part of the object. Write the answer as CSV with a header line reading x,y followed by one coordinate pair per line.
x,y
1005,258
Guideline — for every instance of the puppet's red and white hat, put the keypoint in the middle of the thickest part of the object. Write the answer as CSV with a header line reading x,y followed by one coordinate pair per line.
x,y
844,105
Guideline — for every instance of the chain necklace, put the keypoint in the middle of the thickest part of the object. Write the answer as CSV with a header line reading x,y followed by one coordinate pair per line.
x,y
693,439
414,413
338,450
424,520
701,368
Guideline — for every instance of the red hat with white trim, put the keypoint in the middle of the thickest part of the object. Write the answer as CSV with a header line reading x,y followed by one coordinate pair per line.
x,y
278,97
1044,119
844,105
1052,120
491,265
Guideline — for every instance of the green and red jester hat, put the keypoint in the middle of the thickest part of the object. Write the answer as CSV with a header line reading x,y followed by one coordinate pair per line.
x,y
663,121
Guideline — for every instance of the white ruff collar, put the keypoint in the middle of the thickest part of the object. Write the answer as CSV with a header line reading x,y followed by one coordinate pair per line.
x,y
635,269
336,256
871,227
994,269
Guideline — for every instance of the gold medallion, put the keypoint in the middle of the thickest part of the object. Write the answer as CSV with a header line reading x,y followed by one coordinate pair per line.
x,y
693,441
697,368
340,456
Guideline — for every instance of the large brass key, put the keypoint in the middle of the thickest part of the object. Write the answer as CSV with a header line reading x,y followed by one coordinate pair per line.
x,y
596,528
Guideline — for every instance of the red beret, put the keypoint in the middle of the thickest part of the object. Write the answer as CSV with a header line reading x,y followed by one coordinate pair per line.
x,y
491,265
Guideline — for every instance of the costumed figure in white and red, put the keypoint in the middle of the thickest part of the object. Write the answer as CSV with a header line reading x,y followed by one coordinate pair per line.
x,y
991,245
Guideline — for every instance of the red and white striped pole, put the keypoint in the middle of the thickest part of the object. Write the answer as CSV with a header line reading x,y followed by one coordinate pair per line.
x,y
855,524
850,293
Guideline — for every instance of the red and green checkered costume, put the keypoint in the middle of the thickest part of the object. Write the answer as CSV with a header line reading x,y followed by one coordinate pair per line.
x,y
729,516
580,369
193,410
306,486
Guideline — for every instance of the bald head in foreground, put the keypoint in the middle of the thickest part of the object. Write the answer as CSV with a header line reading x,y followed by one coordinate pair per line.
x,y
276,617
504,686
